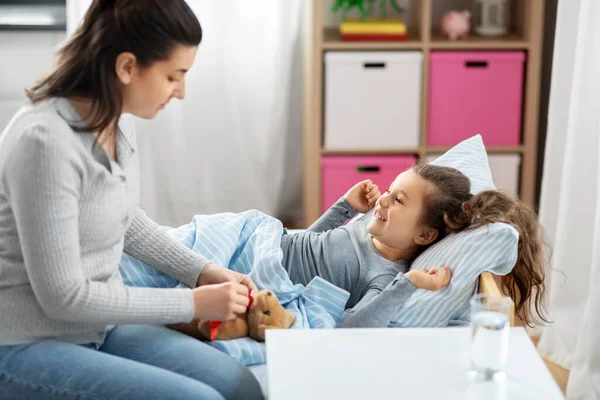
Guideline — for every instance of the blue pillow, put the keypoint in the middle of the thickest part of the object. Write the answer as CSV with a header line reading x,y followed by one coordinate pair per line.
x,y
469,253
470,158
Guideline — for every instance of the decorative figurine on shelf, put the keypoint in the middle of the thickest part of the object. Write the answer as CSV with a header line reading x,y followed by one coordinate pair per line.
x,y
369,29
455,24
493,17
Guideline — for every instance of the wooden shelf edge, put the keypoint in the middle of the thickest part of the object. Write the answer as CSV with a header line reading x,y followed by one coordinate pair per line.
x,y
369,152
510,41
333,41
489,149
414,150
420,45
516,45
373,46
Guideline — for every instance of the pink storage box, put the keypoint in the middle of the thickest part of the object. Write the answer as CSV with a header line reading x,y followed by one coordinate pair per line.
x,y
340,173
475,92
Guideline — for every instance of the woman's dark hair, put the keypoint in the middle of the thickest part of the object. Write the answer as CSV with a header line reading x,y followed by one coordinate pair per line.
x,y
85,65
450,207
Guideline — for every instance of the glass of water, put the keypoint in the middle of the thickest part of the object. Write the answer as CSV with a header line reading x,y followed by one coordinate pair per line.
x,y
490,323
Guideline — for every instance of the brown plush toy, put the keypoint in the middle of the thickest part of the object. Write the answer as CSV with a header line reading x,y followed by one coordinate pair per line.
x,y
264,313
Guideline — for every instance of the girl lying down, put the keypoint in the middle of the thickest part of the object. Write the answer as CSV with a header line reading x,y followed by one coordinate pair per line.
x,y
420,208
370,257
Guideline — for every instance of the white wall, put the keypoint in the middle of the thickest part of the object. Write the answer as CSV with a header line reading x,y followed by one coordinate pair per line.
x,y
24,57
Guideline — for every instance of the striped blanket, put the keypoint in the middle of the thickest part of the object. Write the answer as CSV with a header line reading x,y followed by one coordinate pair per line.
x,y
248,243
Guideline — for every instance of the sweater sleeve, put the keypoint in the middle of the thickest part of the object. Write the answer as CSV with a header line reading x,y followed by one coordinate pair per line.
x,y
43,178
146,241
377,308
334,217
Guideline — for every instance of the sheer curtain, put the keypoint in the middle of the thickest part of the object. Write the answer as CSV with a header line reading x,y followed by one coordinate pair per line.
x,y
570,203
234,142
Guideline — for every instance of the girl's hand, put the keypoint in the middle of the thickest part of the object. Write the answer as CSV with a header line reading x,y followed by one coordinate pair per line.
x,y
212,274
432,279
362,196
220,302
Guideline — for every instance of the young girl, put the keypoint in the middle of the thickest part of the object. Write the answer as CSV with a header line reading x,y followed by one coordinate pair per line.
x,y
370,257
423,205
69,208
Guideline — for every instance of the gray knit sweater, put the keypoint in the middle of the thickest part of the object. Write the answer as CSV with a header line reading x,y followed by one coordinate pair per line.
x,y
67,212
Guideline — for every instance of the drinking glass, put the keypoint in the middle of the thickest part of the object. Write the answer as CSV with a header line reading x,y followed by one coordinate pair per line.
x,y
490,323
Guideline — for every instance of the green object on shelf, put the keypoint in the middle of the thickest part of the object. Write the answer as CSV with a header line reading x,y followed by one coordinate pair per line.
x,y
395,6
346,5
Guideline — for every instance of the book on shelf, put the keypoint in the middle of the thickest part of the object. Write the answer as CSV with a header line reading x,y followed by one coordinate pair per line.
x,y
373,37
373,30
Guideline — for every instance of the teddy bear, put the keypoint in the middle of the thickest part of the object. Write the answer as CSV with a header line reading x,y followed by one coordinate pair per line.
x,y
265,312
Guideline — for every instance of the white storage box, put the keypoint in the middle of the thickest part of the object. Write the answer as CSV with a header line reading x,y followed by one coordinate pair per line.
x,y
372,100
506,170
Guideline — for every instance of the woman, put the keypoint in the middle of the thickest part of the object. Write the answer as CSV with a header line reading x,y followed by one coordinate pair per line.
x,y
69,208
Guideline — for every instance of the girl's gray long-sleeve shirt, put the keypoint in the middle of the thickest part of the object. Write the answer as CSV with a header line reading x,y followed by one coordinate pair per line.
x,y
345,256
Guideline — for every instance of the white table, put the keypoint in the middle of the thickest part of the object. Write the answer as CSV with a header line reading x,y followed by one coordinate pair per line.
x,y
424,363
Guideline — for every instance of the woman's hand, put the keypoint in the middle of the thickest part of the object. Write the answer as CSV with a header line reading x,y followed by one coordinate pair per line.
x,y
220,302
433,279
212,274
362,196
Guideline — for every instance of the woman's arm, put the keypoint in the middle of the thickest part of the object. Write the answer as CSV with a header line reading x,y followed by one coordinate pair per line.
x,y
377,308
43,178
146,241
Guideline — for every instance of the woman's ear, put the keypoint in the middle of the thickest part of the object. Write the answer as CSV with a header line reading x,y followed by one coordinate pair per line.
x,y
125,66
426,236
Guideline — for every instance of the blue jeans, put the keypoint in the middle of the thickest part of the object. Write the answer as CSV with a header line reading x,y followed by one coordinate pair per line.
x,y
134,362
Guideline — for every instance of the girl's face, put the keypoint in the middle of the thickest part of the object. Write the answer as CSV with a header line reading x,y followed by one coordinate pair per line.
x,y
398,214
146,91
